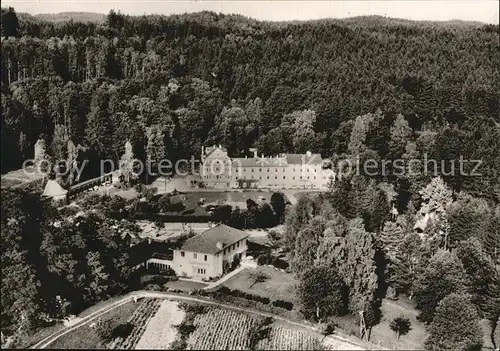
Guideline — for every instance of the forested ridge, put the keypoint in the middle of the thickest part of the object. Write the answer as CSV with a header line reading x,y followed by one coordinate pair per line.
x,y
367,88
210,78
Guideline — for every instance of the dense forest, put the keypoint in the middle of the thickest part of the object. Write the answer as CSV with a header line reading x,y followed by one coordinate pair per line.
x,y
362,88
172,84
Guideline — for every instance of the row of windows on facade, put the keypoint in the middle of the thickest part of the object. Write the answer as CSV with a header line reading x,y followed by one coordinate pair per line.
x,y
284,177
226,250
202,271
260,178
215,170
194,255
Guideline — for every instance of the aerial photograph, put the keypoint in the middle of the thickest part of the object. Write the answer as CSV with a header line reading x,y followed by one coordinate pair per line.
x,y
250,175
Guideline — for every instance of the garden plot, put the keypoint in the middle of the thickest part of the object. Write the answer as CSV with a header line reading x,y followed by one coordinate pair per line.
x,y
160,331
284,338
221,329
139,320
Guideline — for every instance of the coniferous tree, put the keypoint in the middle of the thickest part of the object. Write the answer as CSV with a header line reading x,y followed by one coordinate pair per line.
x,y
127,164
400,134
322,293
10,23
444,275
455,326
481,275
98,129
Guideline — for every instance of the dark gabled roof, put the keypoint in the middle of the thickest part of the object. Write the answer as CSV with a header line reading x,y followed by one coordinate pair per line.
x,y
259,162
206,242
143,251
280,161
298,159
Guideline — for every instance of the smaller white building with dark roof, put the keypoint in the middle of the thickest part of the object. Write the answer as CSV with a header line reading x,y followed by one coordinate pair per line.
x,y
206,254
54,190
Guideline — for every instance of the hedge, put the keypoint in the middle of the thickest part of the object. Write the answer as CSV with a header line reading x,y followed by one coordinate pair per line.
x,y
284,304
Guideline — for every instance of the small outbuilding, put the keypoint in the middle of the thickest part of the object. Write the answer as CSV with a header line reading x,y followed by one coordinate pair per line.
x,y
54,190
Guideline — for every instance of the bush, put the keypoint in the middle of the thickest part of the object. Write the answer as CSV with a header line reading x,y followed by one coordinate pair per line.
x,y
326,328
268,258
104,330
202,292
122,330
178,344
224,290
154,287
347,325
283,304
400,325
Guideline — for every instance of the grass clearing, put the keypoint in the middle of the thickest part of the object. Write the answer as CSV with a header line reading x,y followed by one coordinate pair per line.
x,y
85,338
185,285
383,335
280,285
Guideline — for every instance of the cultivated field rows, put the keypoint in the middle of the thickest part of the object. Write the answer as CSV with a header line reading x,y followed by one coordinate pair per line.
x,y
140,318
221,329
160,331
218,329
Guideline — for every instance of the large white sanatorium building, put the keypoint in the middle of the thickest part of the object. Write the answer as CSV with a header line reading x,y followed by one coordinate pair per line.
x,y
285,171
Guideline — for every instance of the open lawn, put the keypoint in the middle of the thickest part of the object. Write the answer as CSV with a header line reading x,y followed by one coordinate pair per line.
x,y
383,335
162,280
191,200
280,285
185,285
86,338
7,182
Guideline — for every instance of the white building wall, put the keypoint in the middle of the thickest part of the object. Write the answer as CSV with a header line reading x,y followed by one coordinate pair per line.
x,y
219,171
194,264
230,251
288,177
216,170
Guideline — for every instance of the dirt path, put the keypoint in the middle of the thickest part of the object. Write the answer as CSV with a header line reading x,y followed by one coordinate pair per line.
x,y
51,338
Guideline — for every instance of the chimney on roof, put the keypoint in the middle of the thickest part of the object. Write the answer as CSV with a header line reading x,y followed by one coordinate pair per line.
x,y
220,146
219,245
254,151
308,153
202,150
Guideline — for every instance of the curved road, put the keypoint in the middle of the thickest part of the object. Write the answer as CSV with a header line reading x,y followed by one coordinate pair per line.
x,y
345,343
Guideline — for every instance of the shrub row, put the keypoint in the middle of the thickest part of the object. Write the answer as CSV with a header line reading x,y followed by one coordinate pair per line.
x,y
225,291
238,293
272,260
283,304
